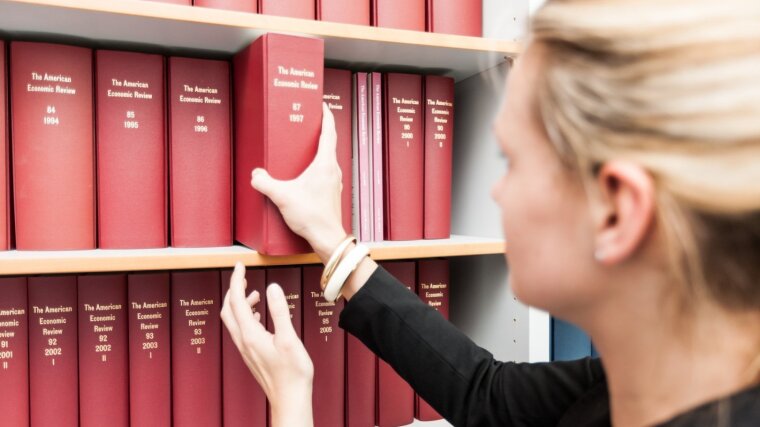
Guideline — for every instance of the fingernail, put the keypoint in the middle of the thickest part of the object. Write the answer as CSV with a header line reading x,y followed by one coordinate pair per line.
x,y
272,293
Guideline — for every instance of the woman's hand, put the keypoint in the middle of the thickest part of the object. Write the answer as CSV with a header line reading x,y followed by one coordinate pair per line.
x,y
310,203
279,361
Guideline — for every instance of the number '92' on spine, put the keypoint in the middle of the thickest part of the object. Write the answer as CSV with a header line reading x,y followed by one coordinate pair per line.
x,y
278,114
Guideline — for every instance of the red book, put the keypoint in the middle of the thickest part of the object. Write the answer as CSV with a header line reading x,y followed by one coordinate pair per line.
x,y
345,11
361,384
131,144
463,17
337,96
53,153
200,152
404,156
239,5
289,279
433,289
196,349
376,133
5,200
53,377
401,14
244,402
363,153
149,350
293,8
395,398
439,138
278,107
14,352
103,351
325,342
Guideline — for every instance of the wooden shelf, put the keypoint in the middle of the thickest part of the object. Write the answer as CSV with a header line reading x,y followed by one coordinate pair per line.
x,y
99,260
184,30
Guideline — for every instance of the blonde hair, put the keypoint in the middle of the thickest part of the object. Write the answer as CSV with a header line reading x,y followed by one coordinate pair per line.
x,y
675,87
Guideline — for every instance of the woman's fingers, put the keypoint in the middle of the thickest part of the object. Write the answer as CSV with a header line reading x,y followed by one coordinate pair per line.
x,y
328,137
268,186
250,330
279,312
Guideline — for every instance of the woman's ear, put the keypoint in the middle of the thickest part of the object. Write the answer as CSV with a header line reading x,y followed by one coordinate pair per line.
x,y
625,210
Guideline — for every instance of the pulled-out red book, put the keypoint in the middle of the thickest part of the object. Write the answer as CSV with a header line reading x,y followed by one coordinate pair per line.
x,y
239,5
401,14
14,366
103,351
53,150
439,138
337,96
200,152
325,342
244,402
53,377
278,112
433,288
196,349
395,398
462,17
345,11
149,350
5,194
131,141
404,156
304,9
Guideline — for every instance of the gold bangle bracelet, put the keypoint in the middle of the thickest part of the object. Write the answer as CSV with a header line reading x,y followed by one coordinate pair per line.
x,y
334,260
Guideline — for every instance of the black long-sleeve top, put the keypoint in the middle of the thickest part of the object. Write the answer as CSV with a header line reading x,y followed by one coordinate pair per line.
x,y
468,387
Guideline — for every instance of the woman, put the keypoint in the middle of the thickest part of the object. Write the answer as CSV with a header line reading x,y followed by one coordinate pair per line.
x,y
631,207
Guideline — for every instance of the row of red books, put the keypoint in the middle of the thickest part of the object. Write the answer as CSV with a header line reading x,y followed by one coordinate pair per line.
x,y
147,160
463,17
149,349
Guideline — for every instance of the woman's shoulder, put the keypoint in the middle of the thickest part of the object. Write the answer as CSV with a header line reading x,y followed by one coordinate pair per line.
x,y
741,409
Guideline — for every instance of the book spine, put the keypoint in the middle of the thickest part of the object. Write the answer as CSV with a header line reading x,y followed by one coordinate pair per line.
x,y
250,6
433,285
404,156
53,377
378,209
289,279
304,9
244,402
461,17
5,194
53,150
395,398
103,351
346,11
131,151
337,95
361,384
279,88
14,352
370,155
196,349
365,176
439,139
149,349
325,343
401,14
355,158
200,152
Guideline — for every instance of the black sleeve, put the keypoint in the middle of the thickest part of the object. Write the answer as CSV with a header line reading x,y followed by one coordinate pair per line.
x,y
460,380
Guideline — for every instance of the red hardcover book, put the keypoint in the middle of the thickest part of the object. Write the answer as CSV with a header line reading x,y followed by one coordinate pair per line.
x,y
376,132
278,107
239,5
53,377
395,398
103,351
5,199
337,96
289,279
304,9
439,138
53,150
361,384
463,17
363,150
433,289
244,402
325,342
131,145
200,152
401,14
196,349
149,350
14,348
345,11
404,156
